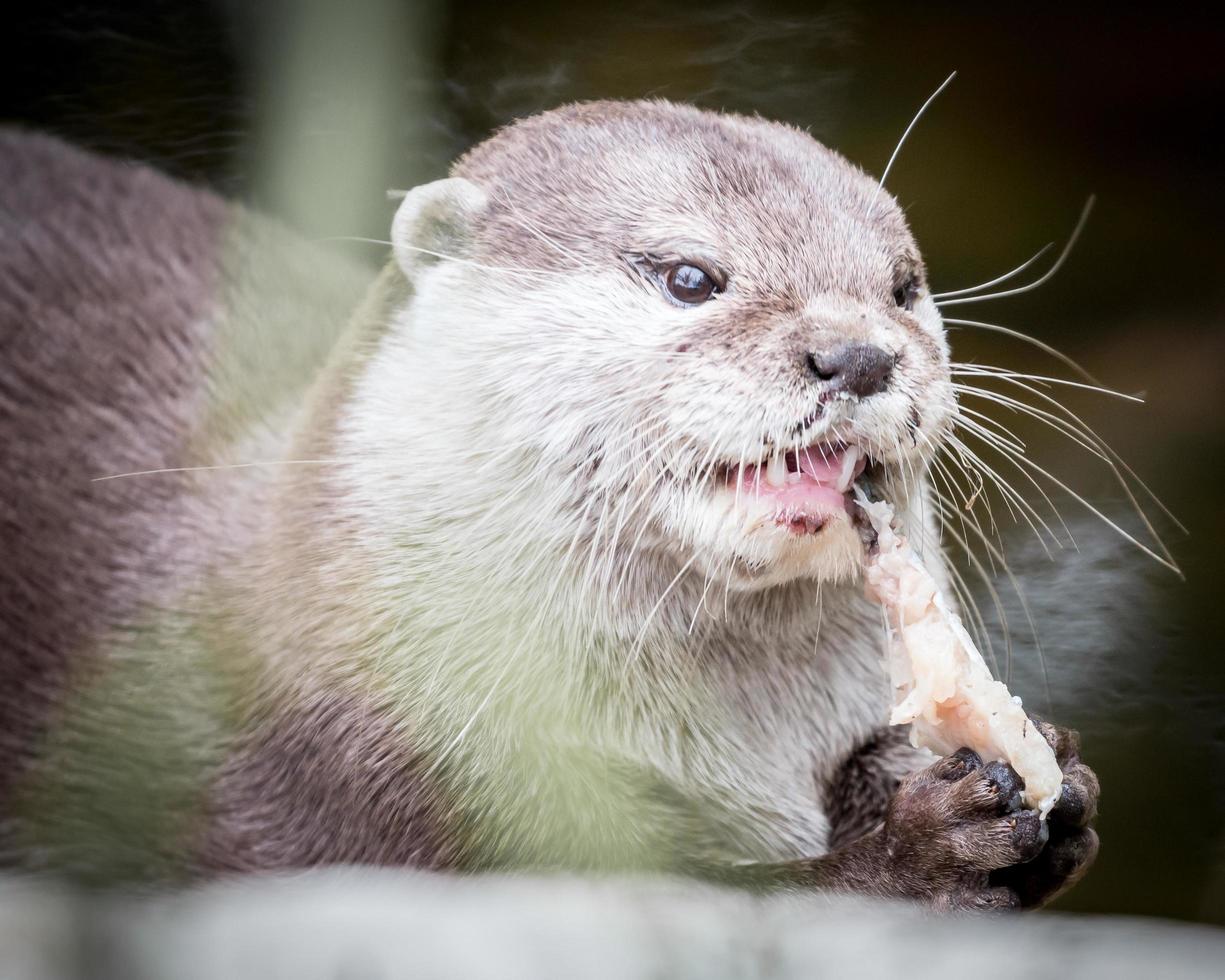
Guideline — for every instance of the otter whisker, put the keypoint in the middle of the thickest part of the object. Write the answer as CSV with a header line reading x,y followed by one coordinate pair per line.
x,y
1026,338
477,594
985,370
350,238
915,483
1002,446
444,753
1002,431
743,456
249,464
998,279
816,640
1117,459
544,607
1086,439
706,471
650,617
520,219
656,451
965,457
1160,559
513,270
1114,461
999,558
1045,277
979,493
951,457
633,550
512,494
628,508
992,437
939,465
213,467
701,601
593,546
965,596
997,553
988,583
1012,499
1069,423
562,488
897,149
1019,407
736,510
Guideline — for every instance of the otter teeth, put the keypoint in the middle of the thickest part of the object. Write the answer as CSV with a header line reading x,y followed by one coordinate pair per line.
x,y
850,460
776,472
801,475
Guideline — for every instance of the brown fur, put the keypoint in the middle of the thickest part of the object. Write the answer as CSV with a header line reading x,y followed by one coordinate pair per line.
x,y
118,305
324,781
867,780
109,282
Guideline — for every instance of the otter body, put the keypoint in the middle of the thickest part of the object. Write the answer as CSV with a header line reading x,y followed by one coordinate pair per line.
x,y
504,588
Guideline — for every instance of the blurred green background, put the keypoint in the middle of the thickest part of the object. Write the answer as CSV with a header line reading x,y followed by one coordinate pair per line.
x,y
312,110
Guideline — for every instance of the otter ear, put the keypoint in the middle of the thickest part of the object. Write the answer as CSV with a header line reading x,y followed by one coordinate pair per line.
x,y
437,217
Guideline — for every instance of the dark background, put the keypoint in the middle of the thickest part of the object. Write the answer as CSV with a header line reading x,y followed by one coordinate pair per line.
x,y
313,110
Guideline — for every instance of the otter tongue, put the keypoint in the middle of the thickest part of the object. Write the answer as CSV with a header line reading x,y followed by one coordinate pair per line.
x,y
825,464
815,482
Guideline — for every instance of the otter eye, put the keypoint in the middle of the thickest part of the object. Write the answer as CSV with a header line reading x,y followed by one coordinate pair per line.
x,y
905,294
689,285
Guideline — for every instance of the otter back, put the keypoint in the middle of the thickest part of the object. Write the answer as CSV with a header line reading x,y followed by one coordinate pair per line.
x,y
144,325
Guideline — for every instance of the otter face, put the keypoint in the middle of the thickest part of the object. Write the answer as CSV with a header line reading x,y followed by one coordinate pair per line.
x,y
710,325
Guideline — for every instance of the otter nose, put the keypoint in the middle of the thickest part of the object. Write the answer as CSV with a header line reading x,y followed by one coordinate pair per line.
x,y
861,369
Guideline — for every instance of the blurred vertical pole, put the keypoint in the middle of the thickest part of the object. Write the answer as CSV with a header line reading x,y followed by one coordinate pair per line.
x,y
344,98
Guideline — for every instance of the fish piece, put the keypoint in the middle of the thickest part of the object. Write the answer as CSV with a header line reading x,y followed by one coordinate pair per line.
x,y
941,685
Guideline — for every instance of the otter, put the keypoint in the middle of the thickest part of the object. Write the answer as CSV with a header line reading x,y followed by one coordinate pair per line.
x,y
544,558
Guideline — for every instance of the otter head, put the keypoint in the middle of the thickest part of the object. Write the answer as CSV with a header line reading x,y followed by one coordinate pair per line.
x,y
698,329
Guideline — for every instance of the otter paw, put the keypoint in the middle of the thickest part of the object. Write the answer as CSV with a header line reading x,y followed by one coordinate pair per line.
x,y
1077,805
1073,845
949,826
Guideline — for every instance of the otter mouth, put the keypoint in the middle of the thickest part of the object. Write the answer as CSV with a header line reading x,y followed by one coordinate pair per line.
x,y
800,490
